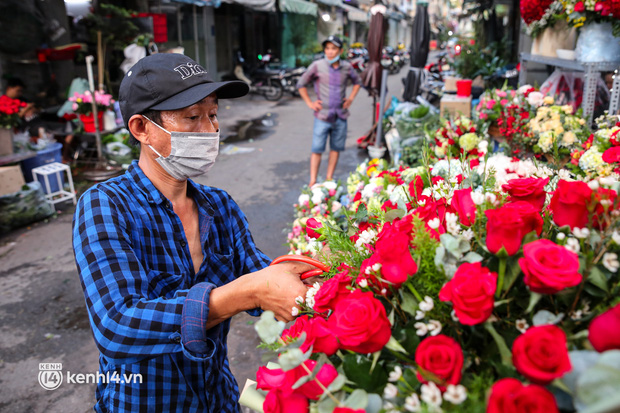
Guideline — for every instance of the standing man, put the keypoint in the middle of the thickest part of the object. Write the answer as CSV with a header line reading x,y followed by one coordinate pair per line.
x,y
165,262
331,109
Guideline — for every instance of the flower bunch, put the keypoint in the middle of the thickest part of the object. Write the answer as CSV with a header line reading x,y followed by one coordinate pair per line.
x,y
456,138
9,111
599,155
555,131
322,200
82,102
540,14
469,288
581,12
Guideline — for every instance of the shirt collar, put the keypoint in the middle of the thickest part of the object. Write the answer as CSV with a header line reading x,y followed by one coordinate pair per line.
x,y
144,184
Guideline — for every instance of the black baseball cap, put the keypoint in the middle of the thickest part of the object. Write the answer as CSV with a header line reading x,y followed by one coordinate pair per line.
x,y
170,81
335,40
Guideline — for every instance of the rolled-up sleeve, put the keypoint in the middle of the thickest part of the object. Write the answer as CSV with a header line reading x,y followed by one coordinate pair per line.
x,y
308,76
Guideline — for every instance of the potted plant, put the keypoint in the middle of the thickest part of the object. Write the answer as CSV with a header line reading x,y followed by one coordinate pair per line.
x,y
83,106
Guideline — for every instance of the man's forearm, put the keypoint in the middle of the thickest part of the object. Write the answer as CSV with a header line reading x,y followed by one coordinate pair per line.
x,y
303,92
356,88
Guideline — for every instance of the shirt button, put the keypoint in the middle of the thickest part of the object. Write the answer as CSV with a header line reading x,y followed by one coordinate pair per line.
x,y
183,243
177,339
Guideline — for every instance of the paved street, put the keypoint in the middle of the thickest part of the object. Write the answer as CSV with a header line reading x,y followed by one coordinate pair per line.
x,y
41,302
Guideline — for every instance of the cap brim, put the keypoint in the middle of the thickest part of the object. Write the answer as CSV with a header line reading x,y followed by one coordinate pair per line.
x,y
225,90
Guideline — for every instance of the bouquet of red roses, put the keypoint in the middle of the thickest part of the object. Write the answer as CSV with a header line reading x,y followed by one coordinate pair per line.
x,y
470,297
9,111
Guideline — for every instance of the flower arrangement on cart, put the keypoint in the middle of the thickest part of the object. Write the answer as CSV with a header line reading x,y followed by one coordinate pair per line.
x,y
453,287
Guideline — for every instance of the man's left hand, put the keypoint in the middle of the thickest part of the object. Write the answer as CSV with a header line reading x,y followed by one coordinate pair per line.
x,y
347,103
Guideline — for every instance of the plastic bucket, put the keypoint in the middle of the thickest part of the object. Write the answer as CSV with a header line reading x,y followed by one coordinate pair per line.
x,y
53,153
463,88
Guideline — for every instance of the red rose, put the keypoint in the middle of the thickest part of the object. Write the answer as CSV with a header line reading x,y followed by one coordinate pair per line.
x,y
283,381
530,190
471,293
348,410
540,354
318,335
603,330
311,225
331,291
278,402
510,396
432,210
392,249
569,204
464,206
579,7
416,187
601,217
506,226
360,323
548,267
442,356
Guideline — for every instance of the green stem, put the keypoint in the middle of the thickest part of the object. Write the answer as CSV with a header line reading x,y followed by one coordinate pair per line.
x,y
415,292
500,279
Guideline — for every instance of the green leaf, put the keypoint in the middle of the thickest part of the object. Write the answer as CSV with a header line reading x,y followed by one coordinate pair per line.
x,y
375,403
393,214
408,302
337,384
303,380
544,317
293,358
357,369
504,352
513,271
580,360
534,299
598,279
472,257
394,345
357,400
440,255
598,386
268,328
327,405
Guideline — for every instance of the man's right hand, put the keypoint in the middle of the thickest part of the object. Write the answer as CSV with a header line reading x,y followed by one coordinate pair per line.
x,y
316,106
278,286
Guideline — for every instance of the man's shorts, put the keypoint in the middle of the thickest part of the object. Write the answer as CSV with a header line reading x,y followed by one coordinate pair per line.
x,y
337,131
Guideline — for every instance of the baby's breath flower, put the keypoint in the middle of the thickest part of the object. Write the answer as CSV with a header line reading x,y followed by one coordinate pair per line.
x,y
395,374
455,394
421,329
431,394
434,327
412,403
610,261
572,245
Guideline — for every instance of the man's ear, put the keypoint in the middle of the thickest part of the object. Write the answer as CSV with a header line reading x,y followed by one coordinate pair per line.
x,y
138,128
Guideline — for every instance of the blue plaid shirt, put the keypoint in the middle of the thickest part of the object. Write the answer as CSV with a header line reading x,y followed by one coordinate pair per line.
x,y
147,306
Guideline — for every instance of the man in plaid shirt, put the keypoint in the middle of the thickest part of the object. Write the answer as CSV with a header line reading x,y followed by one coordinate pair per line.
x,y
165,262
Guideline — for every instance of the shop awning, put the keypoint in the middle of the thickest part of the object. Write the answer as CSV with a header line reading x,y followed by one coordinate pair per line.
x,y
298,7
337,3
355,14
201,3
259,5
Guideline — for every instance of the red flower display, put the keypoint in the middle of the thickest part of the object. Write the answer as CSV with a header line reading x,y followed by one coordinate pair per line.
x,y
331,291
277,401
442,356
533,10
510,396
548,267
392,250
283,381
603,330
471,293
360,323
540,354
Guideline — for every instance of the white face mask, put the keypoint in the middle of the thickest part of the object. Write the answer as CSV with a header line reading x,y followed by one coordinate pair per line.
x,y
191,153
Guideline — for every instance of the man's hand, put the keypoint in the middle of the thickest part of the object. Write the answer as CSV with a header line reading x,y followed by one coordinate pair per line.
x,y
347,103
278,286
316,106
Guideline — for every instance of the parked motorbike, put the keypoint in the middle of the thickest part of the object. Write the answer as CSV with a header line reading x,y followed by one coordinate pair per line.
x,y
262,80
358,57
391,60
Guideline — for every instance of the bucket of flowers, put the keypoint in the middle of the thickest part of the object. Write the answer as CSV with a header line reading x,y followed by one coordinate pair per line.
x,y
475,296
9,119
455,138
82,105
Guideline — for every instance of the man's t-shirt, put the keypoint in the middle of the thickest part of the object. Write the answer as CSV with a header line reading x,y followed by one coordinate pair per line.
x,y
136,271
330,86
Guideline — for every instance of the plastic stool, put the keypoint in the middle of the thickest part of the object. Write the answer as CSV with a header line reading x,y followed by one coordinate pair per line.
x,y
55,168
